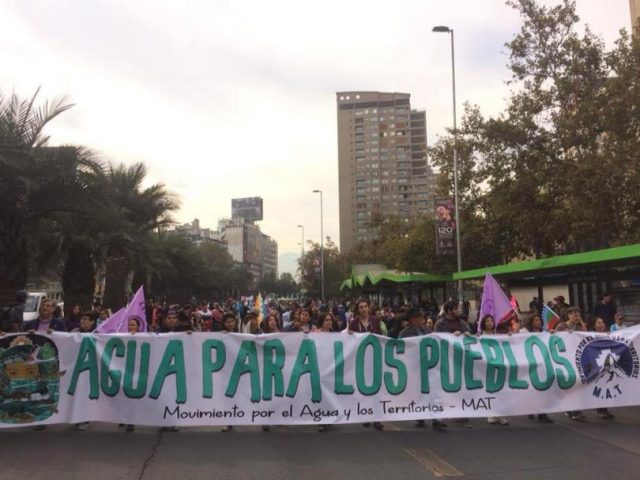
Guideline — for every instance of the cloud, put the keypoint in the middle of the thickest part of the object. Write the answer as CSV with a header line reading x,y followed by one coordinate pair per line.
x,y
228,99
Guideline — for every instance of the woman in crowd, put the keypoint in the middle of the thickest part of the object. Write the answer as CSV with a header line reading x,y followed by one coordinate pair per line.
x,y
326,324
597,325
303,324
271,324
488,327
133,327
533,324
72,321
428,324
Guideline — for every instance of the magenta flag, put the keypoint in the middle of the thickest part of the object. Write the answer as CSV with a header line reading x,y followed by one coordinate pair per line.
x,y
135,309
111,324
494,300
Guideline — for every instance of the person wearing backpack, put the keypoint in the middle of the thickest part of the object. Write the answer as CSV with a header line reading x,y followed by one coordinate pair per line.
x,y
12,316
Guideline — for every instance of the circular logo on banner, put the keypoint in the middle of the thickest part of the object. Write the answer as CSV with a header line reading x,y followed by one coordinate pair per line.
x,y
29,378
606,362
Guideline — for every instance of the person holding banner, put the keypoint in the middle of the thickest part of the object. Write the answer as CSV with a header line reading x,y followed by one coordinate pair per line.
x,y
270,325
326,324
416,328
362,322
487,325
451,323
619,319
45,322
572,322
598,325
303,324
533,324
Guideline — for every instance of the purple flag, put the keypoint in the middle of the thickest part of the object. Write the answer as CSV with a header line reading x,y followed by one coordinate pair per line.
x,y
135,309
119,321
111,324
494,301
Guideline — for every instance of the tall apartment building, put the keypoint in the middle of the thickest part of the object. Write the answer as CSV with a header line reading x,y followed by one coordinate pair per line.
x,y
382,161
634,7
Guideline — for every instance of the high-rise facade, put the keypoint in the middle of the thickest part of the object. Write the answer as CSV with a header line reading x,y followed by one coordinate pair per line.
x,y
248,245
634,6
382,161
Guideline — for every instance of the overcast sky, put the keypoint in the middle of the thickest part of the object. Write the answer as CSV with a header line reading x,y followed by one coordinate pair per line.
x,y
225,99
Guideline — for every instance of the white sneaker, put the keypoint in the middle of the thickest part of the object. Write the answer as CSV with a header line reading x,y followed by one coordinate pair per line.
x,y
492,420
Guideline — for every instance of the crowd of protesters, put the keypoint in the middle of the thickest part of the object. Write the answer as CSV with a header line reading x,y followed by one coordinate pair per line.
x,y
361,316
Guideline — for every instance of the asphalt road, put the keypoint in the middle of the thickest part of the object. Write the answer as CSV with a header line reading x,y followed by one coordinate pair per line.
x,y
523,450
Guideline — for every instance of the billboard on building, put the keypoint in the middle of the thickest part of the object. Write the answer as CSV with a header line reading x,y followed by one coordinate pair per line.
x,y
445,226
249,208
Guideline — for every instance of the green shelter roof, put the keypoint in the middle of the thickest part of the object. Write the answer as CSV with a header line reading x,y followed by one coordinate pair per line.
x,y
615,256
372,278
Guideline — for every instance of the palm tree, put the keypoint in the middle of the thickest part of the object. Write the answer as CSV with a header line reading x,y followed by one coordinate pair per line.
x,y
134,212
36,184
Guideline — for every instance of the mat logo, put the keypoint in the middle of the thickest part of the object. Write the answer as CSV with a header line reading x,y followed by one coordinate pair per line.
x,y
606,363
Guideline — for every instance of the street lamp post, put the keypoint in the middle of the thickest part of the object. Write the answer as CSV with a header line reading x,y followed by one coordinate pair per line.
x,y
302,252
321,247
445,29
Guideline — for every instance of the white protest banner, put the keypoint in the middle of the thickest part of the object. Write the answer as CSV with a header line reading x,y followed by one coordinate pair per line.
x,y
236,379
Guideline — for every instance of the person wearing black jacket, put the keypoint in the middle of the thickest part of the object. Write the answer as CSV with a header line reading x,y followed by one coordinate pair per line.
x,y
46,321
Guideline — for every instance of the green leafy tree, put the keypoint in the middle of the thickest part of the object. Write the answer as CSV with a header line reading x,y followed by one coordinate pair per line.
x,y
335,269
37,184
287,285
554,172
135,212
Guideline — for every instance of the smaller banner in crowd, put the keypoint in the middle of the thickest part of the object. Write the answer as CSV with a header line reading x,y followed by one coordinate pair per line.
x,y
295,378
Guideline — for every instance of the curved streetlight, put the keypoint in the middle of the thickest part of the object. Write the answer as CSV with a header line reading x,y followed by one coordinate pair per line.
x,y
445,29
321,247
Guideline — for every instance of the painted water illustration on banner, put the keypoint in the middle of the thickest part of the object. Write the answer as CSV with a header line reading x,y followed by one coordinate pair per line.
x,y
29,378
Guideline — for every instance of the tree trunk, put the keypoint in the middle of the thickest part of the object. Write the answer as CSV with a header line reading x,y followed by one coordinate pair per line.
x,y
116,273
79,277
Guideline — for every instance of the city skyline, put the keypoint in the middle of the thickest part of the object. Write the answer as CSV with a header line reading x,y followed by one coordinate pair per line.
x,y
227,100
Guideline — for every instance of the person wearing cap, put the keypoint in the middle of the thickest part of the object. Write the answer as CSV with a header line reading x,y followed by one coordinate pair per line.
x,y
619,322
559,305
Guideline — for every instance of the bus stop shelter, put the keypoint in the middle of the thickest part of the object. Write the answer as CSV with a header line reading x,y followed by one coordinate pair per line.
x,y
587,276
